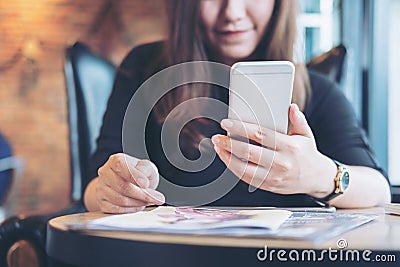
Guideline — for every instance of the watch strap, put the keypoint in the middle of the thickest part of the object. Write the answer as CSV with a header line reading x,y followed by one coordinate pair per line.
x,y
336,192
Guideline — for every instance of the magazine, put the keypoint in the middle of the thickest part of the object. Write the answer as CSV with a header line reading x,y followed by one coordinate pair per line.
x,y
188,219
265,222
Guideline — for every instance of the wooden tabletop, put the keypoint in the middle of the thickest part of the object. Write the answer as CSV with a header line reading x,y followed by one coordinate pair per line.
x,y
380,234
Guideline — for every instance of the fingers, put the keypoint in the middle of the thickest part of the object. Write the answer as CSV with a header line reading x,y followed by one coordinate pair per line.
x,y
257,175
266,137
278,158
298,123
108,178
110,195
108,207
253,153
140,172
249,172
126,184
150,170
125,166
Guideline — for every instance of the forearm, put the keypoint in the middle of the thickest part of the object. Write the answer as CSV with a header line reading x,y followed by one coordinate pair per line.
x,y
367,188
90,196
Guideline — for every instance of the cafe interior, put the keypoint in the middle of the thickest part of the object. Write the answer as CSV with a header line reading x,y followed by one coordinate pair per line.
x,y
58,60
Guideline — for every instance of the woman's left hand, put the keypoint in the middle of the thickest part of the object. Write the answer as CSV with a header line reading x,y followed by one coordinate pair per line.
x,y
284,164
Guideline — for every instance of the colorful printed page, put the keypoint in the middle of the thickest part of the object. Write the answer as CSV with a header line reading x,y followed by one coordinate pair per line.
x,y
185,219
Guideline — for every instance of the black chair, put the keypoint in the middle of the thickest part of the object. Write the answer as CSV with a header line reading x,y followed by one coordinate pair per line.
x,y
330,63
89,80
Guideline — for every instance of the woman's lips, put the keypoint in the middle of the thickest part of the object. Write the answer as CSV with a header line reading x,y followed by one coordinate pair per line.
x,y
232,34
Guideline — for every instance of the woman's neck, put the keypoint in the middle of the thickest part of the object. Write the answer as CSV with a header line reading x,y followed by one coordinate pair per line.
x,y
214,56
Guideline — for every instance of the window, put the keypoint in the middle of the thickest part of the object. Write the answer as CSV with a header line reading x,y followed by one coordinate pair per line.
x,y
394,93
319,25
370,32
383,83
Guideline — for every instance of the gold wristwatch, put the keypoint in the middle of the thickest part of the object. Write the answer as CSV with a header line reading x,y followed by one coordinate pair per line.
x,y
342,179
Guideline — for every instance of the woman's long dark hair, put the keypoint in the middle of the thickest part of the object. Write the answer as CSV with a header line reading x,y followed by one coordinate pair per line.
x,y
186,43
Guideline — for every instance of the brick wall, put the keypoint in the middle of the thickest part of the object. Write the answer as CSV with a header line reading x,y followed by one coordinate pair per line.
x,y
33,113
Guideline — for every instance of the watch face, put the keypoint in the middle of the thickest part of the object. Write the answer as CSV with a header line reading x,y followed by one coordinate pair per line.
x,y
344,181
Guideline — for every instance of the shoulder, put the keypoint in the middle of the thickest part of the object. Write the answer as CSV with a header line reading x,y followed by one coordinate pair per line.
x,y
321,85
142,54
139,64
324,93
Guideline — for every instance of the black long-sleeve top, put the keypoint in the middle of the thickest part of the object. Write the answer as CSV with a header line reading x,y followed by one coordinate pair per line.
x,y
328,112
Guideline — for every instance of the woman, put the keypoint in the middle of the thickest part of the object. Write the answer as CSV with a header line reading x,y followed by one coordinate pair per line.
x,y
302,171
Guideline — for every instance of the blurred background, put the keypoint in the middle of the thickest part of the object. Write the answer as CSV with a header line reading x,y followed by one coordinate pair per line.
x,y
35,34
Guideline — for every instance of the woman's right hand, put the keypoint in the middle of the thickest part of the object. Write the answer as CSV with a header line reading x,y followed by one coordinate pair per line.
x,y
127,184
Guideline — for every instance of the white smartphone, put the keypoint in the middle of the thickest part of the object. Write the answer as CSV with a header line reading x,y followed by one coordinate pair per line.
x,y
260,92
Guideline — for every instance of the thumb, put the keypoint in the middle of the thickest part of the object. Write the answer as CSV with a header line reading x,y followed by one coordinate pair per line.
x,y
298,122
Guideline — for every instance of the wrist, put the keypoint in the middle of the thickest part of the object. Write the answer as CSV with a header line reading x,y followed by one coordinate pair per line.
x,y
89,197
326,174
342,179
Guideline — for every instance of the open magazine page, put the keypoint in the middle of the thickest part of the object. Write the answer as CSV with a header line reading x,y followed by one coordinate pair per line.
x,y
260,223
318,227
185,219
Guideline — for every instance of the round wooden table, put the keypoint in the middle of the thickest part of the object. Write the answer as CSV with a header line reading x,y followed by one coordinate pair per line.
x,y
66,247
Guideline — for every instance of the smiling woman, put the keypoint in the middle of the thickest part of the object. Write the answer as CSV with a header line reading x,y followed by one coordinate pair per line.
x,y
237,32
324,157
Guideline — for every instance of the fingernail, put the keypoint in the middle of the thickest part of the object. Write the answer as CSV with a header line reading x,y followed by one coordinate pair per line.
x,y
299,114
142,182
226,123
296,109
215,140
260,134
158,197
